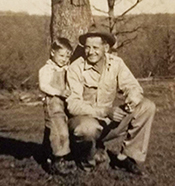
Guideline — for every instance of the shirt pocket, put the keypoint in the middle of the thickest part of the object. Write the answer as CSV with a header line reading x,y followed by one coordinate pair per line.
x,y
108,91
90,93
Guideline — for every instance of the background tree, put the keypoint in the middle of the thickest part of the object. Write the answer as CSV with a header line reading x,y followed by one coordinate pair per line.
x,y
116,21
146,42
111,15
70,18
116,24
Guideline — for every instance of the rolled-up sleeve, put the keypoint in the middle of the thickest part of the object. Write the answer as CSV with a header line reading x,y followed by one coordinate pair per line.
x,y
76,104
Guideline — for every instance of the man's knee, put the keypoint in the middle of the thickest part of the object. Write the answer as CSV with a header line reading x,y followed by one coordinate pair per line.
x,y
146,107
149,105
87,128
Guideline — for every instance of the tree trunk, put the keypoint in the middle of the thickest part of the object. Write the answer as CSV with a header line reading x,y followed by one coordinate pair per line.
x,y
70,18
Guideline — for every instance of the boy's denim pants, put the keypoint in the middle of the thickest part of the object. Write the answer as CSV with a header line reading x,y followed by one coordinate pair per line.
x,y
56,129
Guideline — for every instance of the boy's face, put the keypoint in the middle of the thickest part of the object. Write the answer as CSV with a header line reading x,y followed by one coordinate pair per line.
x,y
61,56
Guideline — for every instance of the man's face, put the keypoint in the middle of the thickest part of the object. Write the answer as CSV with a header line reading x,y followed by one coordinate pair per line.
x,y
61,56
94,49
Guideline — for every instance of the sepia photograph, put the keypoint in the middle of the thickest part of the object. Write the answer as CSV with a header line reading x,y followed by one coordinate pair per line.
x,y
87,92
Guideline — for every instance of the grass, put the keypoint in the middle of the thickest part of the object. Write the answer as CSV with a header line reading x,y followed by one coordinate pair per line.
x,y
21,133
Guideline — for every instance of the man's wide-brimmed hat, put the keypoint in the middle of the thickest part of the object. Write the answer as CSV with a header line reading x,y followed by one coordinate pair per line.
x,y
98,30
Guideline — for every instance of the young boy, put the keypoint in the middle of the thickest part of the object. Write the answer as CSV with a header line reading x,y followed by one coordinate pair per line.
x,y
52,77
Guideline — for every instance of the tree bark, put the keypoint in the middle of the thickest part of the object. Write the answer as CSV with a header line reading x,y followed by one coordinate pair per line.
x,y
70,18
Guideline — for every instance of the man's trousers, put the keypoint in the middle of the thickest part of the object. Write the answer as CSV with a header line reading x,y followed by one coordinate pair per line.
x,y
136,125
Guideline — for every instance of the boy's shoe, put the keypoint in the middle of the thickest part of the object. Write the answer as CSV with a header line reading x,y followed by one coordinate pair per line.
x,y
60,166
50,167
87,165
64,167
100,156
127,164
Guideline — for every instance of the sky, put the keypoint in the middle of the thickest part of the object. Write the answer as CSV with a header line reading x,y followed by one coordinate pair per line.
x,y
145,6
43,7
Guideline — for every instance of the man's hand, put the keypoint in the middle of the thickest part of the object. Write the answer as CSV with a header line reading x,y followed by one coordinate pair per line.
x,y
116,114
132,101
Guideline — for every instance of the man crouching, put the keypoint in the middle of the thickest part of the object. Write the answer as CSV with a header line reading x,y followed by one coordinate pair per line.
x,y
94,81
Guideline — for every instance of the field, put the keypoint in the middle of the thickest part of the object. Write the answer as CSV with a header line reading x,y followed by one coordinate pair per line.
x,y
25,45
21,132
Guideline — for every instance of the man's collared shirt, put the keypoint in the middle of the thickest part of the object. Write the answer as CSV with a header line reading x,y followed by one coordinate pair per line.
x,y
92,92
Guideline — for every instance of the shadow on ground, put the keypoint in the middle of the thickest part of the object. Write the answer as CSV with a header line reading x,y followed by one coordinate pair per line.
x,y
20,149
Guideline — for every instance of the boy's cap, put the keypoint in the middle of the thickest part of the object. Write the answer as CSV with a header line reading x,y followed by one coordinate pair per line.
x,y
98,30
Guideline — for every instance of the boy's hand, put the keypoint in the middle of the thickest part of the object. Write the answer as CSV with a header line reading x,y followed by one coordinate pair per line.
x,y
65,93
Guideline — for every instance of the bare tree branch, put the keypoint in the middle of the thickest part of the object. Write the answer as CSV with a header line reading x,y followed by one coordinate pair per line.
x,y
129,9
171,66
129,31
137,2
99,10
120,17
125,42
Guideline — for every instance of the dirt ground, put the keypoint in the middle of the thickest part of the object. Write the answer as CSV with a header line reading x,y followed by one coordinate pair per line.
x,y
21,133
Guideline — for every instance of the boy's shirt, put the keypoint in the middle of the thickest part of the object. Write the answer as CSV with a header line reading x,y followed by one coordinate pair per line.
x,y
52,78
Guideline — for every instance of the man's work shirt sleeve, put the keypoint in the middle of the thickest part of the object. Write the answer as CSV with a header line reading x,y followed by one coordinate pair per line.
x,y
128,84
76,103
